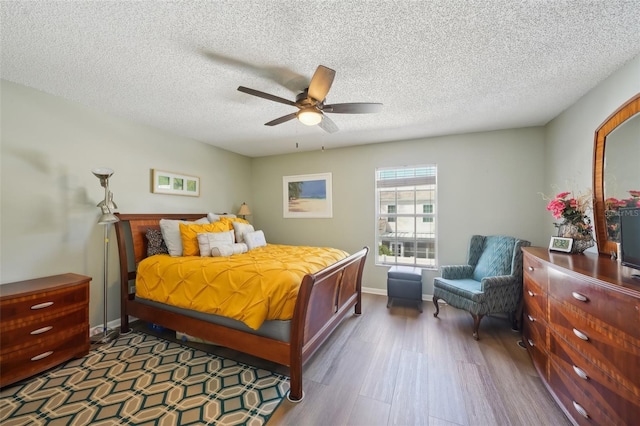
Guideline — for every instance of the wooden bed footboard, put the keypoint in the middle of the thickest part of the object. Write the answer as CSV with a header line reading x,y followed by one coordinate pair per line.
x,y
324,300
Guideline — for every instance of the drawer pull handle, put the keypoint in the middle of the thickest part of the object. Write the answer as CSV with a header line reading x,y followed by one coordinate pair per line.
x,y
530,293
41,330
531,268
580,410
530,342
580,334
41,305
532,319
580,372
579,297
41,356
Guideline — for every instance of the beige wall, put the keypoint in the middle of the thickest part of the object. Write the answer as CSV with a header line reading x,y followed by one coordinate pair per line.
x,y
569,137
488,183
48,200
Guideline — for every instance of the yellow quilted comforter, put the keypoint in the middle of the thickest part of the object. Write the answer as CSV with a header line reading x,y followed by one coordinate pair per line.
x,y
252,287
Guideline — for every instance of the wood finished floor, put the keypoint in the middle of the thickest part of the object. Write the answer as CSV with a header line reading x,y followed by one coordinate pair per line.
x,y
399,367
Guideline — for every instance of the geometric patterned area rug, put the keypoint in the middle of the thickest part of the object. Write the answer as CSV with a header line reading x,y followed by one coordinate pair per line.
x,y
140,379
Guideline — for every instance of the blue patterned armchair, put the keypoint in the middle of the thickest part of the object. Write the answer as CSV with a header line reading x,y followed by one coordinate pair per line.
x,y
490,283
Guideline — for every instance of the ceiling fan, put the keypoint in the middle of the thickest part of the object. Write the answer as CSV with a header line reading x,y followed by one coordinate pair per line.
x,y
310,103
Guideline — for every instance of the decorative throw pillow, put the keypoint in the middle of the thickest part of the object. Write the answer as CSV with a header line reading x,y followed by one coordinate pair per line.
x,y
228,249
189,234
231,220
206,241
214,217
171,233
241,229
255,239
155,243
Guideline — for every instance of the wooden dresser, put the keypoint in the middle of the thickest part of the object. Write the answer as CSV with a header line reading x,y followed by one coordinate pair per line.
x,y
43,322
582,329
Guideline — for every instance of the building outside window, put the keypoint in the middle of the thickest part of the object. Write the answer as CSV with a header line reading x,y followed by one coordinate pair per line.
x,y
406,216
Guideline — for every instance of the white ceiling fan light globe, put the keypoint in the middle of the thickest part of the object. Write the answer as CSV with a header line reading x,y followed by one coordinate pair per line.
x,y
309,116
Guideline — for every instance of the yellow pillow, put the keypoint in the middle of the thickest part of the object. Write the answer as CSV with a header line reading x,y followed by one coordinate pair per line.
x,y
229,221
189,235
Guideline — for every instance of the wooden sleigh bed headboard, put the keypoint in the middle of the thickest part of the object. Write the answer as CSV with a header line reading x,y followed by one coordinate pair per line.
x,y
325,298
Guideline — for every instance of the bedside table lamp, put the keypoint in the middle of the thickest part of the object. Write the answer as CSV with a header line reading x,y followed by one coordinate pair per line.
x,y
107,207
244,211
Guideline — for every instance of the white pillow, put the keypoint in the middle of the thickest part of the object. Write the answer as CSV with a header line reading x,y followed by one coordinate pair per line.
x,y
255,239
241,229
209,240
228,249
214,217
171,233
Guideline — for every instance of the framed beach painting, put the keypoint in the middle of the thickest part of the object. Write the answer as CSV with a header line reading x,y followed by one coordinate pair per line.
x,y
174,183
307,196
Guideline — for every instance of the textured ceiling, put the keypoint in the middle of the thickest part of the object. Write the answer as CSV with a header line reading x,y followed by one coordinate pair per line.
x,y
439,67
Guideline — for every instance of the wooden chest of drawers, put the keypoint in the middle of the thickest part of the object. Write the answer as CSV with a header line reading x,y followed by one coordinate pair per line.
x,y
43,322
582,329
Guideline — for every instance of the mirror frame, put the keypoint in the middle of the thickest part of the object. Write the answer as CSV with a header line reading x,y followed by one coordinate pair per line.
x,y
622,114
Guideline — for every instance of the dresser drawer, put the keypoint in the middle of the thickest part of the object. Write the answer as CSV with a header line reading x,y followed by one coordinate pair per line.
x,y
615,401
535,270
24,307
534,299
577,404
25,333
622,311
25,362
611,351
534,336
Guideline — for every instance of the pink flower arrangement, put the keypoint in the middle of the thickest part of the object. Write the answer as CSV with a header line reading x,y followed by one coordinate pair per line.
x,y
615,204
572,210
611,206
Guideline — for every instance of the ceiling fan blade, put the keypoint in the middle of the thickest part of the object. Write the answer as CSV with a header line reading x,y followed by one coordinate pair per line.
x,y
266,96
321,83
281,119
328,125
353,108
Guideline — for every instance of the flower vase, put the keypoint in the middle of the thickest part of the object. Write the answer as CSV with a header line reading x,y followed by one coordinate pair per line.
x,y
581,242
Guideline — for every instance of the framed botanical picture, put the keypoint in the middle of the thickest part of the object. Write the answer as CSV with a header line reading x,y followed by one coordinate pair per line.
x,y
174,183
307,196
561,244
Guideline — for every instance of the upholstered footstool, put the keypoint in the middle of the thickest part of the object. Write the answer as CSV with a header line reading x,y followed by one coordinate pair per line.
x,y
404,282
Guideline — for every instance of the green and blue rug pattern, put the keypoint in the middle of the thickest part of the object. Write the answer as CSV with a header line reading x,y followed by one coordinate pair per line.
x,y
140,379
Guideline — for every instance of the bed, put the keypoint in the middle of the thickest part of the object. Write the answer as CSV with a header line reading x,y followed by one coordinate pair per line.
x,y
323,300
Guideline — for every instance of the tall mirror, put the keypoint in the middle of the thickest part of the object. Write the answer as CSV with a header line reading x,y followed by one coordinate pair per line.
x,y
616,171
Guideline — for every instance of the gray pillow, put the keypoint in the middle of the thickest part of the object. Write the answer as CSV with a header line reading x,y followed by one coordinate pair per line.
x,y
241,230
171,233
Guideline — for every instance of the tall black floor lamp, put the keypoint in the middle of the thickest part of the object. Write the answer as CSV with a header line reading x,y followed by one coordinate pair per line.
x,y
107,207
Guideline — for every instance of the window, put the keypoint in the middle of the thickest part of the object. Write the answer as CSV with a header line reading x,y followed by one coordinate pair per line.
x,y
406,216
427,209
391,209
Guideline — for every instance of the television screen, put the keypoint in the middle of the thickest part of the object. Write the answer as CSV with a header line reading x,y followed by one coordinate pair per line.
x,y
630,238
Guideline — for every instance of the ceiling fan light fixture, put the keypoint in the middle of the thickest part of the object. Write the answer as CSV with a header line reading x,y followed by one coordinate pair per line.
x,y
309,116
